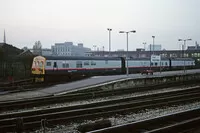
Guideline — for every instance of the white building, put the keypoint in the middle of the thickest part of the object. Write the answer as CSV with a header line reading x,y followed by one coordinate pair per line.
x,y
68,49
155,47
46,52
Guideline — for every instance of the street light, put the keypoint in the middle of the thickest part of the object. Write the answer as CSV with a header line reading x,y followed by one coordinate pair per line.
x,y
109,30
144,46
127,32
94,46
153,43
103,50
150,50
183,48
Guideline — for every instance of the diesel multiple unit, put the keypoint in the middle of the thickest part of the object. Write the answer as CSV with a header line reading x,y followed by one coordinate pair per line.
x,y
57,67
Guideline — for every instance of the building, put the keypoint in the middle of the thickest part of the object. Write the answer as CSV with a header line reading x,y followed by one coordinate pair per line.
x,y
37,48
196,47
68,49
46,52
154,47
189,53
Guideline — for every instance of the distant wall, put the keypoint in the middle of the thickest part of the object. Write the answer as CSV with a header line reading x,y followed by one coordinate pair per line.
x,y
128,83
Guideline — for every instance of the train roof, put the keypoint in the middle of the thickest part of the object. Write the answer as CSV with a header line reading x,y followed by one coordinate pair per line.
x,y
80,58
163,59
186,59
106,58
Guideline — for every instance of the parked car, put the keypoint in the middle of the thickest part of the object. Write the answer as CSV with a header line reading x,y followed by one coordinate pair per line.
x,y
147,72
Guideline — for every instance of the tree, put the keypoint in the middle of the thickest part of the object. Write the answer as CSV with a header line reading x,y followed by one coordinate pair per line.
x,y
37,48
1,53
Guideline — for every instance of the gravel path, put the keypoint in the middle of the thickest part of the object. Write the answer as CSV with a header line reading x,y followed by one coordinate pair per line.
x,y
119,119
171,89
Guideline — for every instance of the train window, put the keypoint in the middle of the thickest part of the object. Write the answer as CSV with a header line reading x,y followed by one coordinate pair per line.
x,y
41,64
151,64
156,63
48,63
79,64
65,65
86,63
106,61
93,63
165,63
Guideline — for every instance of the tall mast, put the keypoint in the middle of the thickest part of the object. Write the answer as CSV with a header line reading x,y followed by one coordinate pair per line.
x,y
4,37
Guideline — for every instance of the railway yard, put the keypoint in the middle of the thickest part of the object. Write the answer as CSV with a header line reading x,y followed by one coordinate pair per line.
x,y
167,102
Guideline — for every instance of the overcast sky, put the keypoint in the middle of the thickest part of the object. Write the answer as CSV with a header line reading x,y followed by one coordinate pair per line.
x,y
86,21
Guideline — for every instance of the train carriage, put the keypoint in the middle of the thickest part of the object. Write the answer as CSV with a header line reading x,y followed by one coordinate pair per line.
x,y
38,68
82,64
178,63
139,64
65,67
59,68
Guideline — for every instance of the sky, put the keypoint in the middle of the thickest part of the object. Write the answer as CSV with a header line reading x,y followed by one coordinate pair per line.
x,y
86,21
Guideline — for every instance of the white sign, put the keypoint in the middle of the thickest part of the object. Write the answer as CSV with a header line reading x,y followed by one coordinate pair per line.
x,y
155,58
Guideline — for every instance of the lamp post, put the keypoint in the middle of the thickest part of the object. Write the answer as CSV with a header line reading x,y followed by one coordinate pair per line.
x,y
183,48
144,46
150,50
150,57
103,50
127,32
109,30
153,43
94,46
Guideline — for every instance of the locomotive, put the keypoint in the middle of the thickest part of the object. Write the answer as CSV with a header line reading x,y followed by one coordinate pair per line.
x,y
50,68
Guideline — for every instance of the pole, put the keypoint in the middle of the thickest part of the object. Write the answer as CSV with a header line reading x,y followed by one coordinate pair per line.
x,y
183,52
109,42
184,55
150,56
144,46
153,45
103,50
127,70
109,38
160,63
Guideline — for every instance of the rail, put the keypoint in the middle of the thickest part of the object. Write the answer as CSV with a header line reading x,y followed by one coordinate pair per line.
x,y
90,111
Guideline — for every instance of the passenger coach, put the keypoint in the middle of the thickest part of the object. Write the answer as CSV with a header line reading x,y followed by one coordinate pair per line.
x,y
61,68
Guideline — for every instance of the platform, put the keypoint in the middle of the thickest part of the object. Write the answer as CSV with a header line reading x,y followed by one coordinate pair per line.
x,y
96,80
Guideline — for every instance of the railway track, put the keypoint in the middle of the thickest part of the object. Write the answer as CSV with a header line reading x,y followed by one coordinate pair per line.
x,y
181,122
16,83
41,101
29,84
65,115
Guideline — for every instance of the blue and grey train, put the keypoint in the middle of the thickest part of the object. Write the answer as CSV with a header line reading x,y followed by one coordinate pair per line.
x,y
57,67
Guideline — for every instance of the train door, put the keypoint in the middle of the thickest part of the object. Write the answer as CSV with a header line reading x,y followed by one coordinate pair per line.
x,y
123,65
55,66
170,64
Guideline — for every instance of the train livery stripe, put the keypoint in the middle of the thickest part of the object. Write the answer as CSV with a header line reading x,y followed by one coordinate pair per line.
x,y
101,68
